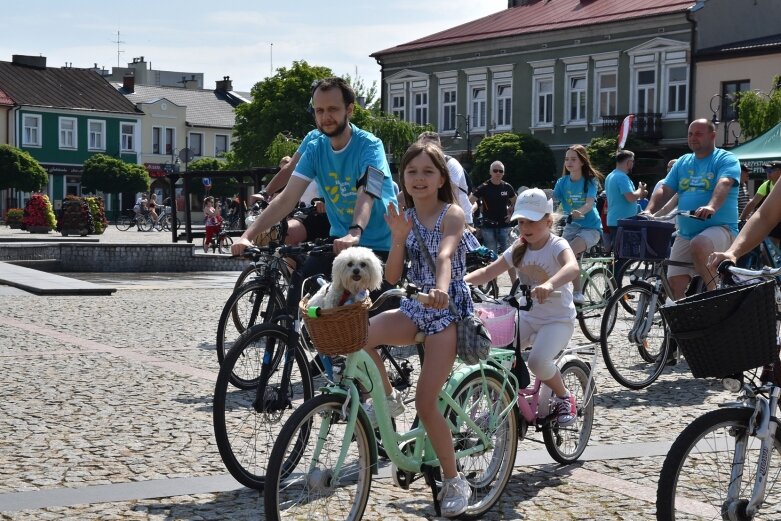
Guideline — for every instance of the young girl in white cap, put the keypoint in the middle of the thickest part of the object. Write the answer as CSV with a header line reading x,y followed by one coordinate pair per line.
x,y
545,262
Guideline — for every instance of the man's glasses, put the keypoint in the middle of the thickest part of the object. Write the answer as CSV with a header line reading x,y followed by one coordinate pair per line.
x,y
497,171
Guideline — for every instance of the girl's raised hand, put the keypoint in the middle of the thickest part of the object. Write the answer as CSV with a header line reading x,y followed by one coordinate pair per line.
x,y
399,224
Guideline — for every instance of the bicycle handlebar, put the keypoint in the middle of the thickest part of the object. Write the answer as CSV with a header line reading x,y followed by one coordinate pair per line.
x,y
410,291
727,269
683,213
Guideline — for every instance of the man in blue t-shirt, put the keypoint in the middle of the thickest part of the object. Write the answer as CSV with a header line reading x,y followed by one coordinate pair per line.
x,y
622,196
706,182
338,160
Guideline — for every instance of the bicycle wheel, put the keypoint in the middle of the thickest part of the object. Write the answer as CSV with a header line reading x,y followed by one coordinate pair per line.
x,y
710,469
566,444
145,223
301,481
489,471
224,243
253,303
124,223
625,349
597,289
247,420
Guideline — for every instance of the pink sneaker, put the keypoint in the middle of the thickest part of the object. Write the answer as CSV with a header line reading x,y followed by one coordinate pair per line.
x,y
565,409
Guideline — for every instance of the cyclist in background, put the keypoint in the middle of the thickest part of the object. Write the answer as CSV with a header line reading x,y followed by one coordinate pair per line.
x,y
576,190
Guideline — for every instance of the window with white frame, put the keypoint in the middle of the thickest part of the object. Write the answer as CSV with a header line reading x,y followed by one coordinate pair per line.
x,y
576,98
543,101
421,107
397,106
607,93
68,133
447,95
96,135
157,140
31,130
477,103
220,144
677,89
503,111
127,136
196,143
645,90
170,140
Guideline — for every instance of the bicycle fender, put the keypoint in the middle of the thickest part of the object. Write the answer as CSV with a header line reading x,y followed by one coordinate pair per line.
x,y
373,451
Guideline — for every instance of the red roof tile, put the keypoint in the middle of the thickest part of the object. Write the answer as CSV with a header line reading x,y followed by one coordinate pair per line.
x,y
543,15
5,99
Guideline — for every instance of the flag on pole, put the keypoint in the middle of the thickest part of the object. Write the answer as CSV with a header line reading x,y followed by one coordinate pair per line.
x,y
623,132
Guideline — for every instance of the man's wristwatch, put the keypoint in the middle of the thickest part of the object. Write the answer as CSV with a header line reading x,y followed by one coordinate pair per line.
x,y
356,227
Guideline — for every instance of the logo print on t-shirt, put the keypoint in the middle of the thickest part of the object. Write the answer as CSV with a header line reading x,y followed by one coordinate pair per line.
x,y
533,274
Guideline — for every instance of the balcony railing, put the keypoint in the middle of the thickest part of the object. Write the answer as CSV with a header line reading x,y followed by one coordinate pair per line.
x,y
647,126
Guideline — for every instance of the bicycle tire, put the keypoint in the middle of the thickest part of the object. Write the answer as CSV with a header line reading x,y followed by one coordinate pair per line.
x,y
246,272
696,474
224,243
300,484
243,429
625,358
253,303
597,289
566,444
145,223
124,223
487,472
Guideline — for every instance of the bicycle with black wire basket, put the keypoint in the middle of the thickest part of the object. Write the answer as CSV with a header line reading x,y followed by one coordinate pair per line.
x,y
726,464
324,458
634,338
273,370
565,444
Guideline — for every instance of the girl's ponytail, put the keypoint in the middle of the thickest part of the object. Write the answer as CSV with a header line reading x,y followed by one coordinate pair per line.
x,y
519,251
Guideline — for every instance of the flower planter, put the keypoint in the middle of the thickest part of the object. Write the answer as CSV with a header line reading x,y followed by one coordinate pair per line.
x,y
38,229
83,232
15,226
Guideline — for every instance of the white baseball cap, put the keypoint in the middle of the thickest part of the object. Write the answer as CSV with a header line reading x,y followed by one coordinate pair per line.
x,y
532,204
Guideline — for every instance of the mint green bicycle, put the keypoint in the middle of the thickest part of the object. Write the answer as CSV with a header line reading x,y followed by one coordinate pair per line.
x,y
322,463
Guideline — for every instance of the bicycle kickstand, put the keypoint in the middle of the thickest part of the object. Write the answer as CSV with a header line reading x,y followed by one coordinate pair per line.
x,y
431,479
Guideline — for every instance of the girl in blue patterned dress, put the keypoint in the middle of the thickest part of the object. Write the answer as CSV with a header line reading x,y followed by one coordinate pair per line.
x,y
428,197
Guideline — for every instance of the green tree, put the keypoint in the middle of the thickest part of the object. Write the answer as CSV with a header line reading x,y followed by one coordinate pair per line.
x,y
602,153
527,160
279,104
109,174
758,112
282,145
395,134
369,94
20,170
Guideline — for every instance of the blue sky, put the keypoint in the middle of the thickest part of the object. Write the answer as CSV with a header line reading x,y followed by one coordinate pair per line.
x,y
198,36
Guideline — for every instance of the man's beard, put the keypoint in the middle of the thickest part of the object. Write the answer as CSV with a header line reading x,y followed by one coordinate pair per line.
x,y
338,131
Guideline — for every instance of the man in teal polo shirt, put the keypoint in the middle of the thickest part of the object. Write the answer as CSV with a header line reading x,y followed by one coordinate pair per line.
x,y
622,196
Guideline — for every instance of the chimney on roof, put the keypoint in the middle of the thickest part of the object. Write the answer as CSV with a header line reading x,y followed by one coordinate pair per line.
x,y
190,83
224,85
34,62
129,82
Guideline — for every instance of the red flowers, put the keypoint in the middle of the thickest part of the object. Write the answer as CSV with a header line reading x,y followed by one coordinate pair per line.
x,y
38,212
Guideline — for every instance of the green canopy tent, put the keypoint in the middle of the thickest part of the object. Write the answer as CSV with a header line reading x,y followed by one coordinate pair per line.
x,y
763,148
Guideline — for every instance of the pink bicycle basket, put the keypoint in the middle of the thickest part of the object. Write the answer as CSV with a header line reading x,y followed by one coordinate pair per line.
x,y
499,319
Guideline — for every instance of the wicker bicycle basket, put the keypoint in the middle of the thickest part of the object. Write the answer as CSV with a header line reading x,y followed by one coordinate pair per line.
x,y
338,331
726,331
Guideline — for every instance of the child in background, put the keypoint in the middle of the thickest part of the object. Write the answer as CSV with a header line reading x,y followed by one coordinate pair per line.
x,y
576,190
212,221
546,263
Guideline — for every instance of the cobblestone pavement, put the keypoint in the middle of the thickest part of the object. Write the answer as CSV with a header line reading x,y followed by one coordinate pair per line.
x,y
107,415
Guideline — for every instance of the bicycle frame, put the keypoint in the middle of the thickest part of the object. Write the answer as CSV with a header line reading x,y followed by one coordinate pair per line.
x,y
361,370
529,406
586,265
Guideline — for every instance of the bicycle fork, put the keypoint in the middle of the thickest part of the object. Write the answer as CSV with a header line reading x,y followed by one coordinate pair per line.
x,y
766,432
646,309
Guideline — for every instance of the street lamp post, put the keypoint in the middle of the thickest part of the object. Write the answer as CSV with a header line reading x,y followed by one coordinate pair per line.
x,y
715,109
457,134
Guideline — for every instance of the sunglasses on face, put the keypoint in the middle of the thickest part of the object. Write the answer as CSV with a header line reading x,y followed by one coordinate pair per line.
x,y
497,171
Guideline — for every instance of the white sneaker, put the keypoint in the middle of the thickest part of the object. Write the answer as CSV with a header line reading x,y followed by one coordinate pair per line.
x,y
395,404
454,496
578,298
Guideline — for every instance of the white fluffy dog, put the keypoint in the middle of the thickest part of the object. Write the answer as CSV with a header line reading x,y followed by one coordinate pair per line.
x,y
356,271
